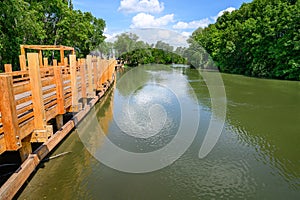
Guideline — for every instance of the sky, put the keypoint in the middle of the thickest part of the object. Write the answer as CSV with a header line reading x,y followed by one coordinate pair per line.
x,y
179,16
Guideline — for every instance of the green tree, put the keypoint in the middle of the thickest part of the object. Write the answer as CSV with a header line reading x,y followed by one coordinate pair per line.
x,y
260,39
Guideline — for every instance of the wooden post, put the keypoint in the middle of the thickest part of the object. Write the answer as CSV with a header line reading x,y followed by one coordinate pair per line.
x,y
7,68
60,95
66,61
74,88
40,58
45,62
83,82
54,62
95,72
101,72
59,90
91,92
9,113
22,50
22,60
41,133
62,55
98,73
26,148
59,121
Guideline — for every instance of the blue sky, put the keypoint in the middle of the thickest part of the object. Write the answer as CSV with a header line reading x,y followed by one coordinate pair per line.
x,y
182,16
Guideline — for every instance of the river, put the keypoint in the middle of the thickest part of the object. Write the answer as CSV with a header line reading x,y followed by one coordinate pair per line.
x,y
142,141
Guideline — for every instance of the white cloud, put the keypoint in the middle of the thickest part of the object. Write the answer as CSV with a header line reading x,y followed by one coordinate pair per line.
x,y
230,9
135,6
193,24
110,37
152,35
202,22
186,34
143,20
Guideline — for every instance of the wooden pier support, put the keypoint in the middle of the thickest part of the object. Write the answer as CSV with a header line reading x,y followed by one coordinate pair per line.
x,y
83,82
73,72
41,132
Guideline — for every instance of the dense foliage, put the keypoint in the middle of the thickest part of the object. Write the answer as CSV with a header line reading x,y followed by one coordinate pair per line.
x,y
260,39
133,51
46,22
151,55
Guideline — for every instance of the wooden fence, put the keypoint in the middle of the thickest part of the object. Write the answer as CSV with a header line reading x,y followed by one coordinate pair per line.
x,y
30,98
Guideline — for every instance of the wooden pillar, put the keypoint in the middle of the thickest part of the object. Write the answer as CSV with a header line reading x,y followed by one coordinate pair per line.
x,y
40,133
7,68
59,89
59,121
54,62
74,88
41,58
59,95
9,113
66,61
107,71
26,148
91,92
83,82
22,60
22,50
95,72
101,72
62,55
45,62
98,73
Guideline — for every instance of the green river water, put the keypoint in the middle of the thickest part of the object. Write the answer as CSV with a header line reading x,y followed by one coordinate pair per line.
x,y
257,155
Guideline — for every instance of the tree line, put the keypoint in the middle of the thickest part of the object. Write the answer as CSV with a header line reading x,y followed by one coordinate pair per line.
x,y
260,39
52,22
133,51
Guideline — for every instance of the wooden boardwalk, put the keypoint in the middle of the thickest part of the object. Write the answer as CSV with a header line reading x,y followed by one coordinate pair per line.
x,y
40,93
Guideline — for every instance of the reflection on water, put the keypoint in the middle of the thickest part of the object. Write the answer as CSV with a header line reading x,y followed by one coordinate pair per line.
x,y
257,156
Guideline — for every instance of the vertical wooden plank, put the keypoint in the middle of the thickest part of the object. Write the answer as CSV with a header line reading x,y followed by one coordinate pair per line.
x,y
54,62
59,121
45,62
66,61
36,89
98,73
7,68
59,90
95,72
73,73
22,50
22,60
83,82
107,71
40,58
26,148
90,76
101,72
62,55
9,113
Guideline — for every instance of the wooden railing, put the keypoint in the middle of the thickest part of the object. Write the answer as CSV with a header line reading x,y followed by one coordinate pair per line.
x,y
29,99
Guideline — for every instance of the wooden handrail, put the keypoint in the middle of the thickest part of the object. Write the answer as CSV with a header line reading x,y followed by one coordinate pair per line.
x,y
31,97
